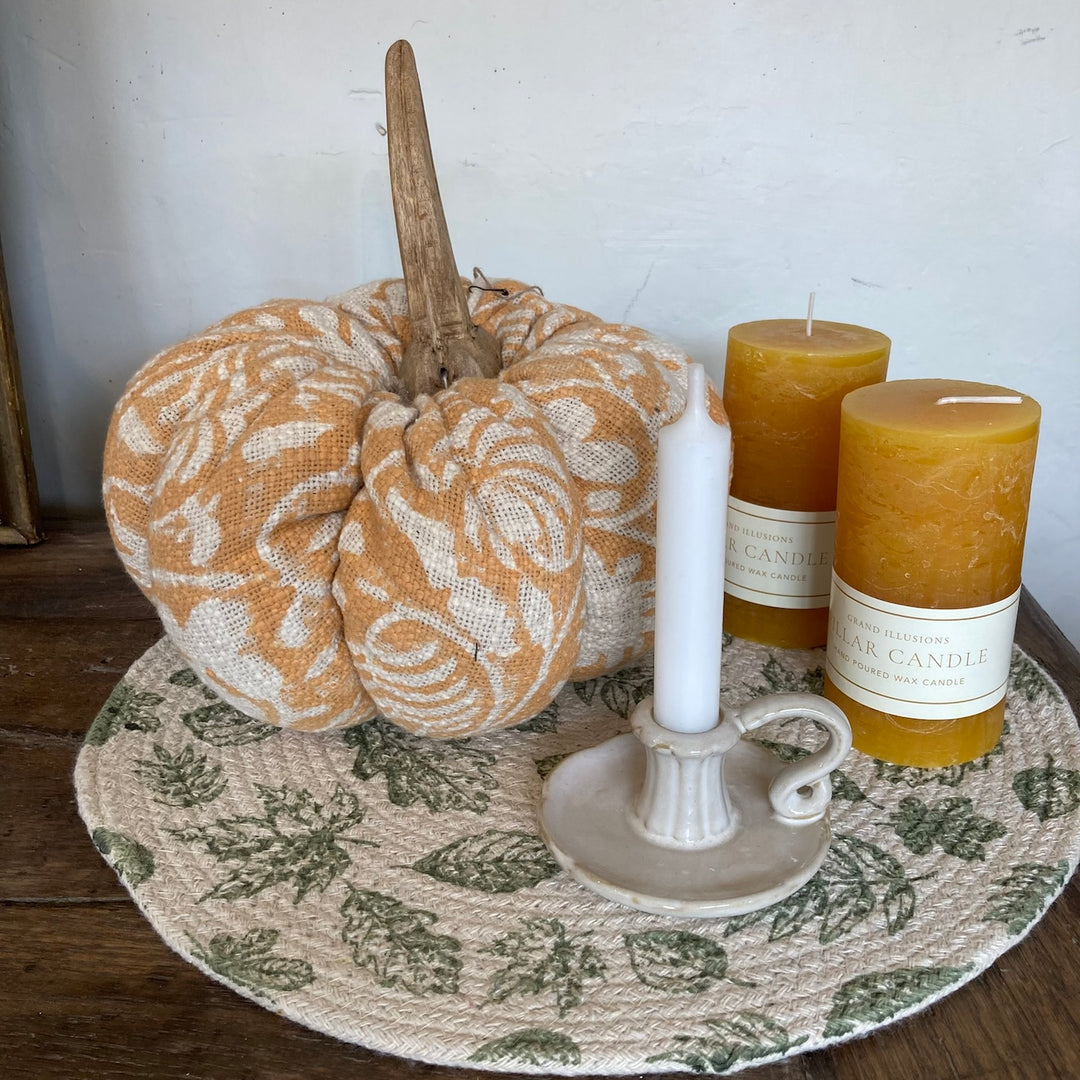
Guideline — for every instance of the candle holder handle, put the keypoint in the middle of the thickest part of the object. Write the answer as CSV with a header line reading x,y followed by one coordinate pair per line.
x,y
801,792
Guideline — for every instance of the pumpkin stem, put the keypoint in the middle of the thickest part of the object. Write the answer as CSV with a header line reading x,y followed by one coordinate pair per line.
x,y
445,344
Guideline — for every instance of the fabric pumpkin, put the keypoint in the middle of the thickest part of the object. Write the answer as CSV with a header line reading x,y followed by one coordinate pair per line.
x,y
322,551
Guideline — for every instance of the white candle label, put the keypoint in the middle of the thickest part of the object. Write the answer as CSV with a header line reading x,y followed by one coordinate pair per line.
x,y
779,558
920,663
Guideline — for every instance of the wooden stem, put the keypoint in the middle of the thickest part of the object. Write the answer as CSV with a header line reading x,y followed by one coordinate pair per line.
x,y
445,345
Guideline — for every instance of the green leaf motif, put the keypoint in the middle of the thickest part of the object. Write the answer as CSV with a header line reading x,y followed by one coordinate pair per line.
x,y
619,692
844,788
874,998
187,678
448,775
297,841
1048,792
542,959
914,776
184,779
494,861
1028,679
545,766
125,709
742,1036
543,723
131,861
951,824
782,680
784,751
531,1046
249,962
394,943
677,961
855,879
1022,895
222,725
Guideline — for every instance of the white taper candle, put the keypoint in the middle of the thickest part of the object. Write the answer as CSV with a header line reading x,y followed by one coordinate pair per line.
x,y
693,469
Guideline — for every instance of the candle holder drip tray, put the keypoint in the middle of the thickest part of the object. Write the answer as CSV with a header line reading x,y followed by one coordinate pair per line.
x,y
696,824
393,891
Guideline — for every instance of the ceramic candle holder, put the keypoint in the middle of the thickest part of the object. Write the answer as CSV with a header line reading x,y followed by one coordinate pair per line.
x,y
696,824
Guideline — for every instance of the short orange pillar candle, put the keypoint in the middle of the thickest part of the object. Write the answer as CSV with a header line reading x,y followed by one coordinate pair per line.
x,y
932,502
783,384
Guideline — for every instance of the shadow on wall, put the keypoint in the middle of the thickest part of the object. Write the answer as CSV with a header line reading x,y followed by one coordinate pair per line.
x,y
55,150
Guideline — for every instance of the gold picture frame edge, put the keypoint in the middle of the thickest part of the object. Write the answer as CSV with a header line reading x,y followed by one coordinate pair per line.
x,y
20,515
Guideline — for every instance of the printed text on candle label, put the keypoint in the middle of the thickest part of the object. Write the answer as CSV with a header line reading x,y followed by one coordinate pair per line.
x,y
778,558
922,663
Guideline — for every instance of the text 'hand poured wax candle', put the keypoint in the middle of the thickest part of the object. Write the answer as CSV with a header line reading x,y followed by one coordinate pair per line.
x,y
783,384
932,504
693,465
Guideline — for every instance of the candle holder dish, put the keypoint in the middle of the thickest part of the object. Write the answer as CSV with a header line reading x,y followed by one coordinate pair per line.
x,y
696,824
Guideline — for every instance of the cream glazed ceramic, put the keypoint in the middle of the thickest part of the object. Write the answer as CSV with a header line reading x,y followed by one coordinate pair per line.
x,y
696,824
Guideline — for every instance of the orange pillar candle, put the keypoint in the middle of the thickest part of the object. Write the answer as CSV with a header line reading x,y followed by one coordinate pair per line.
x,y
783,384
932,502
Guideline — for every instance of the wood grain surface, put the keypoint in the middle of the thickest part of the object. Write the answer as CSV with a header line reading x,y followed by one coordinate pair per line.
x,y
89,992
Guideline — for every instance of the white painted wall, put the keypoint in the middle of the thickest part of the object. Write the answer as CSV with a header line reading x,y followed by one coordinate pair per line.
x,y
684,166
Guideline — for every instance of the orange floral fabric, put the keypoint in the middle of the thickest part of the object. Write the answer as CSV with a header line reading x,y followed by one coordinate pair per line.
x,y
322,551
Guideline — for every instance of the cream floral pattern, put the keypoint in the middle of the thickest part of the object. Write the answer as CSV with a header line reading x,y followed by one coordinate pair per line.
x,y
321,551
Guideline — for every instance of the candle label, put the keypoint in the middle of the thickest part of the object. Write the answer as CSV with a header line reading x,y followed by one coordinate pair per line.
x,y
920,663
779,558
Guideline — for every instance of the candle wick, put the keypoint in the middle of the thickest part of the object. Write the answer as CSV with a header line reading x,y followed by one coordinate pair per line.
x,y
976,400
810,316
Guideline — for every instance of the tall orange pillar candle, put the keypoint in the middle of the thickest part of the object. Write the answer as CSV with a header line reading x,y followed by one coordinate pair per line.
x,y
932,502
783,384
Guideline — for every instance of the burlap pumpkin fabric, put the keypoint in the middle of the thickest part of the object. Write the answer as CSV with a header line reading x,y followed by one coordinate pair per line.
x,y
320,549
392,891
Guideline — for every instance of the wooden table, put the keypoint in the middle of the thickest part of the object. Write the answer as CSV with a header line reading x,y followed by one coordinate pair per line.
x,y
88,990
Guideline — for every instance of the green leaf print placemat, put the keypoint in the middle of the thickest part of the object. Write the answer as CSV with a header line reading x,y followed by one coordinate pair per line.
x,y
392,891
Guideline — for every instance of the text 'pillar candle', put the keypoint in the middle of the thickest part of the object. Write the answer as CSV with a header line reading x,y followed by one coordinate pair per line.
x,y
783,384
932,505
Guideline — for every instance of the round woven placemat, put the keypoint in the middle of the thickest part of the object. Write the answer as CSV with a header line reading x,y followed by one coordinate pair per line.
x,y
392,891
